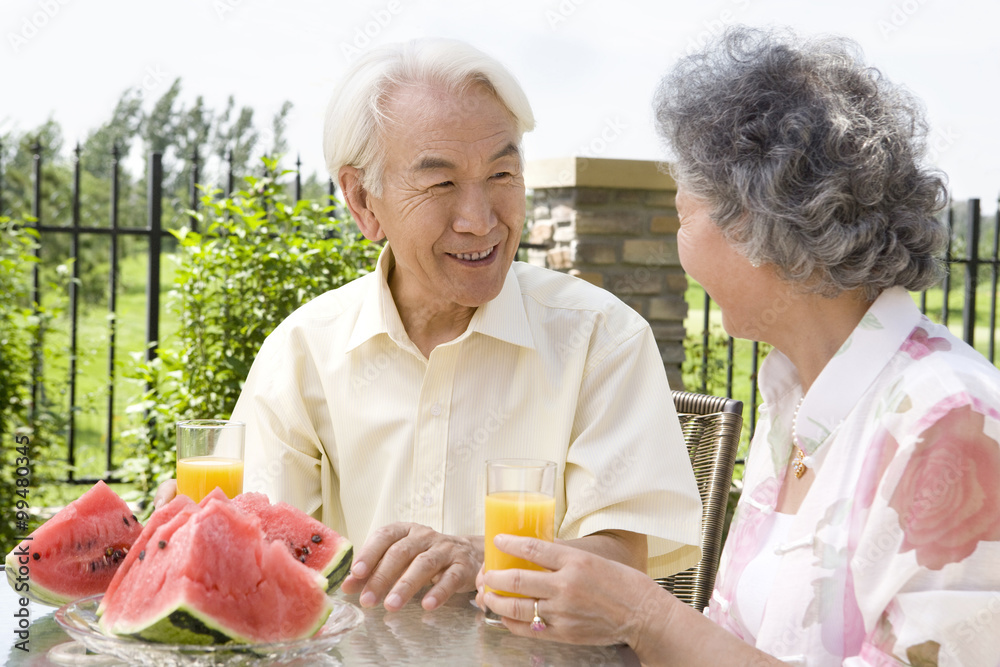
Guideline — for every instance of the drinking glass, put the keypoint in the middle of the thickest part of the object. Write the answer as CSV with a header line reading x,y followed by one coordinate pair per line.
x,y
520,500
209,455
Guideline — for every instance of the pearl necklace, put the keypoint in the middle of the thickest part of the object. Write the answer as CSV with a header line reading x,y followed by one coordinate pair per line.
x,y
801,462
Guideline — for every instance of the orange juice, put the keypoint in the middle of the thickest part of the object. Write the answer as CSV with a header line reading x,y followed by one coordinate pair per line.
x,y
198,475
517,513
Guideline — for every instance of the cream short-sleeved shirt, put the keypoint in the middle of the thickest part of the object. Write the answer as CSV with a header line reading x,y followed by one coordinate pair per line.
x,y
347,420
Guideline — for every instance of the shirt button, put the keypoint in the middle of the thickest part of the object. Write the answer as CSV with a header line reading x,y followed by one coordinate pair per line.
x,y
428,500
436,409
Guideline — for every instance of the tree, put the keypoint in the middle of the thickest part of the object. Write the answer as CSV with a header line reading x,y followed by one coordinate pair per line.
x,y
120,131
191,136
159,125
237,137
19,171
279,144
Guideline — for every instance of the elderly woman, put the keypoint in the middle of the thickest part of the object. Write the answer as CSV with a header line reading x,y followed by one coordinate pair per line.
x,y
868,531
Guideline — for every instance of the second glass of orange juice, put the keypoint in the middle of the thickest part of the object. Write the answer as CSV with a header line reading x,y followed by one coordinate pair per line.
x,y
520,500
210,455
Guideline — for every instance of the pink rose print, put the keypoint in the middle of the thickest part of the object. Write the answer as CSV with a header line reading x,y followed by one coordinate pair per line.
x,y
919,344
948,498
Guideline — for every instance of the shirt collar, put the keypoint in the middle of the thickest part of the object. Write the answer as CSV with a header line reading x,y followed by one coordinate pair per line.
x,y
502,318
847,376
378,314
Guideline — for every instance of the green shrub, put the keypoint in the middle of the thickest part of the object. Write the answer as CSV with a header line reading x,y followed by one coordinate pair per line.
x,y
15,375
255,259
28,434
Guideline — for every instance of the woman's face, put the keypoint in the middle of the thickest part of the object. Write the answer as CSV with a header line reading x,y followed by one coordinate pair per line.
x,y
746,295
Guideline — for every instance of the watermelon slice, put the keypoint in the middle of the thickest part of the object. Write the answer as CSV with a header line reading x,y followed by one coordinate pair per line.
x,y
75,553
208,576
308,540
180,505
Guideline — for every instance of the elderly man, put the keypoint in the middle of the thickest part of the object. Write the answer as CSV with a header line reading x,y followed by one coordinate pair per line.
x,y
375,406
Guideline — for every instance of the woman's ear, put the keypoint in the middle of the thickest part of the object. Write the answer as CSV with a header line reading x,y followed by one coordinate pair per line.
x,y
358,200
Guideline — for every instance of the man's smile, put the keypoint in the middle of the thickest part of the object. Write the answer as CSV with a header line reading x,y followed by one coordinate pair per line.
x,y
474,256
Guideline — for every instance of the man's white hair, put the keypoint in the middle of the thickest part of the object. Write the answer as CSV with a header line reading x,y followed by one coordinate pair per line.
x,y
356,116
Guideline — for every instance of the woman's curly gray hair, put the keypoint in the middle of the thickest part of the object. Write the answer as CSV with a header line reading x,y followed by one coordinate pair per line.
x,y
809,160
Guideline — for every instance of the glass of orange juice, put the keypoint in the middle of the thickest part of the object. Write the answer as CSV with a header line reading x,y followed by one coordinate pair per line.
x,y
520,500
209,455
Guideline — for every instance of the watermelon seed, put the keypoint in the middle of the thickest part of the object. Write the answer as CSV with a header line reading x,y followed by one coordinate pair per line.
x,y
317,538
142,554
93,566
134,519
79,546
125,520
163,545
36,555
305,550
302,558
109,552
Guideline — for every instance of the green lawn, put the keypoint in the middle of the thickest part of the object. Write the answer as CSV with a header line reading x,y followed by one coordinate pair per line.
x,y
956,300
93,335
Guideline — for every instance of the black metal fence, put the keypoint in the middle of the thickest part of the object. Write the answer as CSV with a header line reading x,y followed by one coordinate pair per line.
x,y
76,229
967,231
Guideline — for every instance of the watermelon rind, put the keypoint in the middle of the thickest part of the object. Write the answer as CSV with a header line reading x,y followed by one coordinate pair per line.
x,y
35,592
185,624
339,567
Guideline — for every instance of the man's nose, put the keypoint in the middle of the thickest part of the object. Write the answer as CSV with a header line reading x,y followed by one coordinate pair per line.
x,y
475,213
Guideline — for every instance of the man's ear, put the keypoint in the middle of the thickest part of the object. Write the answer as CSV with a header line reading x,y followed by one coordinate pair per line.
x,y
359,202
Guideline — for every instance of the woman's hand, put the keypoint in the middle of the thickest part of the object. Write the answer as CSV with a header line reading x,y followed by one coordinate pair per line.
x,y
587,599
584,599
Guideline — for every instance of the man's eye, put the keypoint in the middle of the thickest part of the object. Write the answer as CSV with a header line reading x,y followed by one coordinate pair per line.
x,y
501,174
443,184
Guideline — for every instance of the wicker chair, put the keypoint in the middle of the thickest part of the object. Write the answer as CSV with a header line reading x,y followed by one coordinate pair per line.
x,y
711,427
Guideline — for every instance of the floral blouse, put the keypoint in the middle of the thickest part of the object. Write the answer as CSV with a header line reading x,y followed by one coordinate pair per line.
x,y
894,555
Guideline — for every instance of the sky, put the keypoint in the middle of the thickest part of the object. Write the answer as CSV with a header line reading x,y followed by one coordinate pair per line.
x,y
589,67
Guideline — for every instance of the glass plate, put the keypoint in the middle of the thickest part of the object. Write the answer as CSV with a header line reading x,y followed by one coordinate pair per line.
x,y
79,620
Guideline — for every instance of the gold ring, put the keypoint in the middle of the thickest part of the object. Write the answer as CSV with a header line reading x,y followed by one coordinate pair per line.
x,y
537,624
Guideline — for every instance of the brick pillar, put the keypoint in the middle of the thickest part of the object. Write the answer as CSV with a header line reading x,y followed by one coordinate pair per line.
x,y
613,223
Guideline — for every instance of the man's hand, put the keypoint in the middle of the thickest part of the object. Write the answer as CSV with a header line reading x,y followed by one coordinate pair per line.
x,y
401,558
164,493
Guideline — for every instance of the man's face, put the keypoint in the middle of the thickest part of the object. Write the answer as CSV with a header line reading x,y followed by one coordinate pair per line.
x,y
452,203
